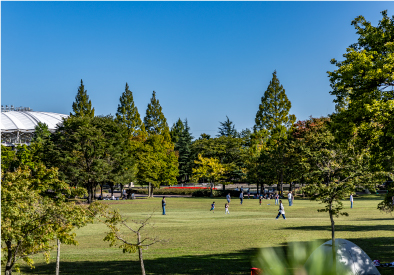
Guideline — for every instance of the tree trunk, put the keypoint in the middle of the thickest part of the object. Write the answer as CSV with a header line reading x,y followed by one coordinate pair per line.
x,y
211,189
140,254
58,257
291,186
90,194
149,190
262,189
9,265
101,185
281,183
224,187
257,188
334,256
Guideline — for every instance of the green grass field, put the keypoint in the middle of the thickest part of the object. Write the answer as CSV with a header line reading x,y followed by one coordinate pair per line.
x,y
202,242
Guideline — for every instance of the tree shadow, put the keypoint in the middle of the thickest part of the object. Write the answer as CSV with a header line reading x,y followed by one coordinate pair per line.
x,y
240,262
231,263
344,228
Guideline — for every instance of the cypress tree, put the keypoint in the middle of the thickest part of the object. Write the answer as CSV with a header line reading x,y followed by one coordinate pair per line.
x,y
128,114
274,108
185,156
155,121
82,106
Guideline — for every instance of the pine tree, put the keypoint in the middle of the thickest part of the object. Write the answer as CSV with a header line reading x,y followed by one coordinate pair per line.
x,y
185,156
82,106
274,108
176,130
227,129
128,113
155,121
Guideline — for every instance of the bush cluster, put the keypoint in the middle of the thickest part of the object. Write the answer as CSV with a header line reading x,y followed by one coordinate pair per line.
x,y
163,191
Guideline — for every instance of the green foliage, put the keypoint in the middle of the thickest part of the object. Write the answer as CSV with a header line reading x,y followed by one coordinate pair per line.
x,y
331,195
366,72
176,131
361,84
156,161
278,262
274,108
34,212
82,106
228,150
185,160
227,129
277,159
128,114
155,121
89,151
208,168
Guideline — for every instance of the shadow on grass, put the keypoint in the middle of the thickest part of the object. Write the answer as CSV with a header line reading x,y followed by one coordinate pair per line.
x,y
369,197
351,228
230,263
381,248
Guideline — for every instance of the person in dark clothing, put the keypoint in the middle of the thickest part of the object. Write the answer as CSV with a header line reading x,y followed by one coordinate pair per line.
x,y
163,205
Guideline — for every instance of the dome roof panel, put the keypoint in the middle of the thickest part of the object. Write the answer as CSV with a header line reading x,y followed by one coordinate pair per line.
x,y
27,121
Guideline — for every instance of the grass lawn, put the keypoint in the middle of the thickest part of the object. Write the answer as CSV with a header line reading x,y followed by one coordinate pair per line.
x,y
202,242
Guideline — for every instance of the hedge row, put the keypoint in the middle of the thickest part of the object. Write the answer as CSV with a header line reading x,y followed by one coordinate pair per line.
x,y
185,191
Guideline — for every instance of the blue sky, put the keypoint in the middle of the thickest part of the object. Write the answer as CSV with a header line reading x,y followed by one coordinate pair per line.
x,y
205,60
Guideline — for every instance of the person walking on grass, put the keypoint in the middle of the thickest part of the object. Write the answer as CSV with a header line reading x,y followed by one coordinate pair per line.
x,y
163,205
261,197
248,192
351,200
228,198
281,210
213,207
226,206
241,197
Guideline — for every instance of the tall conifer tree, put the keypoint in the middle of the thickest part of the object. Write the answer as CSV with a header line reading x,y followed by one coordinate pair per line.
x,y
185,156
227,129
274,108
128,114
176,130
82,106
155,121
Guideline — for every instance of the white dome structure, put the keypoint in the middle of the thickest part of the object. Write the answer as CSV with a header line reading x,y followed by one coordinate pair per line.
x,y
17,127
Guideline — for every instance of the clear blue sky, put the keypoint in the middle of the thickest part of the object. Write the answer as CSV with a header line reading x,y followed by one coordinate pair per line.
x,y
205,60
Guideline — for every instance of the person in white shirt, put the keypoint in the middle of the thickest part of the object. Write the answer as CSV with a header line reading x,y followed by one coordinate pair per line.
x,y
290,197
351,200
281,210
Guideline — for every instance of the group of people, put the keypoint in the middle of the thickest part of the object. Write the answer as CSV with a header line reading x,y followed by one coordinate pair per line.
x,y
278,202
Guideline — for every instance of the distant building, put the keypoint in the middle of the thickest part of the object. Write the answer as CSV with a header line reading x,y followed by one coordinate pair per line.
x,y
18,124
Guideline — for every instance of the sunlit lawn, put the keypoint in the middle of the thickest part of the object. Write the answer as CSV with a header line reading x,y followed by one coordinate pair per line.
x,y
202,242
